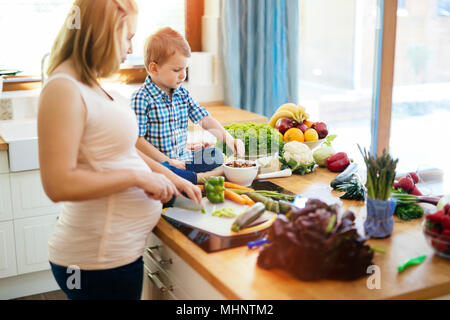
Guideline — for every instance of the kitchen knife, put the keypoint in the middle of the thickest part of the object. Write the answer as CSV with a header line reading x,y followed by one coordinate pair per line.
x,y
276,174
183,202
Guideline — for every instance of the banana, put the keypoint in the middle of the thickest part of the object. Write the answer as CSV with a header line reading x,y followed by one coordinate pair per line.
x,y
289,107
280,114
292,108
305,116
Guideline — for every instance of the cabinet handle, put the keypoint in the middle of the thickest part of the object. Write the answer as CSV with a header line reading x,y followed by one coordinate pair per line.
x,y
156,281
156,257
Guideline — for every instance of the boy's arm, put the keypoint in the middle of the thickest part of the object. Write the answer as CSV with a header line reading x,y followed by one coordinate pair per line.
x,y
150,151
212,125
199,114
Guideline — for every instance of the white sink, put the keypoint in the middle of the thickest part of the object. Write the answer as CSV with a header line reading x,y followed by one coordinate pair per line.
x,y
21,137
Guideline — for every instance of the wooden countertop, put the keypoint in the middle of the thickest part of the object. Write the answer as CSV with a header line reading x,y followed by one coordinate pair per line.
x,y
3,145
227,115
235,274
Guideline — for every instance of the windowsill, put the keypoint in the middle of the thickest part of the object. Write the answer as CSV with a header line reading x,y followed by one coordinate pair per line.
x,y
127,75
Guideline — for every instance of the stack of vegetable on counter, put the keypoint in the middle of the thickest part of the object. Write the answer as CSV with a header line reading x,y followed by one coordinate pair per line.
x,y
311,244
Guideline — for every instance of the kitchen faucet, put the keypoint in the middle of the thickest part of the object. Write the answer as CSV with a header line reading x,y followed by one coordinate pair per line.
x,y
42,68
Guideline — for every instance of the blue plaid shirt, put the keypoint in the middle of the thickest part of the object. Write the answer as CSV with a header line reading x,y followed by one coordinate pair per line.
x,y
164,122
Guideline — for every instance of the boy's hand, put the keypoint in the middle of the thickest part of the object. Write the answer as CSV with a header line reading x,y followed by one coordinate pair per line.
x,y
239,147
177,163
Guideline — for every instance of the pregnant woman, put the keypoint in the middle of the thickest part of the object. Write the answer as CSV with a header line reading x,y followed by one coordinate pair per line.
x,y
111,193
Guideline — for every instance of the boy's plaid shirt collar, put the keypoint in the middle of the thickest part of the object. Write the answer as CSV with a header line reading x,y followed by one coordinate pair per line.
x,y
159,94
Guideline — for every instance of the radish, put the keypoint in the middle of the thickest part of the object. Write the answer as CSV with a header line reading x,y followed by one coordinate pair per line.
x,y
406,184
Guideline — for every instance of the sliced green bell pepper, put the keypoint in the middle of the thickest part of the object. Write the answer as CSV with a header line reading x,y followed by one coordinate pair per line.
x,y
215,189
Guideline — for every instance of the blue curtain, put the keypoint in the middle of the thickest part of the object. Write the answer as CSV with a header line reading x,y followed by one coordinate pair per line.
x,y
259,53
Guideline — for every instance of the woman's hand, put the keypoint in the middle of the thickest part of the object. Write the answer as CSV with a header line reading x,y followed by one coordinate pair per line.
x,y
192,191
156,186
178,164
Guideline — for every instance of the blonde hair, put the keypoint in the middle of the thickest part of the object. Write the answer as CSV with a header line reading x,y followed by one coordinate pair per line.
x,y
162,44
95,45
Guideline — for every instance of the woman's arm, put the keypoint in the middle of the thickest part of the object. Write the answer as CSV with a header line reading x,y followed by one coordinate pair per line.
x,y
182,185
212,125
61,119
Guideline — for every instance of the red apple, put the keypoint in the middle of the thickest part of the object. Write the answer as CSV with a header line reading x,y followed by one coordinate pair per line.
x,y
321,129
284,124
302,127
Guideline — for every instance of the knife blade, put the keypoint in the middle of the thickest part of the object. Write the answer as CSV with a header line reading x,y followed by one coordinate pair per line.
x,y
183,202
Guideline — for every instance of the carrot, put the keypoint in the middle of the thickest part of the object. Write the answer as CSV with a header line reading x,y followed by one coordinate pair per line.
x,y
231,185
201,187
230,195
249,201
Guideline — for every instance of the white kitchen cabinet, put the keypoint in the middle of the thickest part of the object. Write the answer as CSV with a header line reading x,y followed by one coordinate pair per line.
x,y
4,163
8,265
28,196
31,235
5,198
171,277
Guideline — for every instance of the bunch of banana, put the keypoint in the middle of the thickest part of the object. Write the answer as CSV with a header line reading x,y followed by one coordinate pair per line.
x,y
289,110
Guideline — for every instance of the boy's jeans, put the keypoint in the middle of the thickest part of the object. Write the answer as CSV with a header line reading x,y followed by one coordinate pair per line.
x,y
203,160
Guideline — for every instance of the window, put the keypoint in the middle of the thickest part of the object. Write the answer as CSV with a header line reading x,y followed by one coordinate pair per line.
x,y
29,28
421,93
443,8
152,16
337,46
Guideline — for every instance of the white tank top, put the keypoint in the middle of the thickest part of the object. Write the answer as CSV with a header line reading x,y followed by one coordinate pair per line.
x,y
111,231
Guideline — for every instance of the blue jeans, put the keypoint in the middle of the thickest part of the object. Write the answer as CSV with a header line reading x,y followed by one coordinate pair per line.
x,y
121,283
203,160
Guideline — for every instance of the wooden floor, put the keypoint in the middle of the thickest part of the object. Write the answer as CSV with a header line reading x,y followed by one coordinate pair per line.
x,y
53,295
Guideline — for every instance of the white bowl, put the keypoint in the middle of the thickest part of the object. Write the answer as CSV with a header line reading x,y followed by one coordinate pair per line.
x,y
314,144
242,176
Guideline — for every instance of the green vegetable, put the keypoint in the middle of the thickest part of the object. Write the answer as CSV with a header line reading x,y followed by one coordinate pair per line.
x,y
322,154
380,174
329,139
296,167
224,212
285,206
412,262
270,204
443,201
298,157
259,139
331,224
345,176
267,193
215,189
407,207
325,151
408,211
375,249
250,215
354,189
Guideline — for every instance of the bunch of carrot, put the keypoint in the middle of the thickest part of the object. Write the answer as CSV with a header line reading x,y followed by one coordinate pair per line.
x,y
233,196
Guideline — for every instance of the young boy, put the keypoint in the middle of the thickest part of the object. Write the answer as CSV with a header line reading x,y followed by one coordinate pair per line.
x,y
163,106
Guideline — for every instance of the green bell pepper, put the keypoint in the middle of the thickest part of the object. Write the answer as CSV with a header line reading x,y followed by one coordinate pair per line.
x,y
215,189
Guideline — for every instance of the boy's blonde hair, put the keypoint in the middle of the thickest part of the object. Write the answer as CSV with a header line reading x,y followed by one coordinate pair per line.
x,y
95,45
161,45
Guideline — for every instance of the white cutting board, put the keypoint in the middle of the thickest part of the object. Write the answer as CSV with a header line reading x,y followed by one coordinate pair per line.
x,y
220,226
